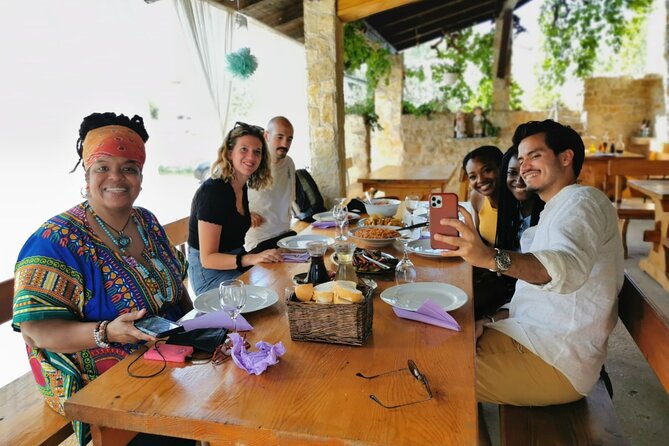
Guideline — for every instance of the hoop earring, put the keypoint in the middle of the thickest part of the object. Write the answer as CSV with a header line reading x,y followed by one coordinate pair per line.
x,y
83,192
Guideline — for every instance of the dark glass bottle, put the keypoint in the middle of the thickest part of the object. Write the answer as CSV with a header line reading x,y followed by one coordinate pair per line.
x,y
317,271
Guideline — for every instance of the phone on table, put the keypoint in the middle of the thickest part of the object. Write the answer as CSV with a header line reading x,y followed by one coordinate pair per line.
x,y
157,326
442,205
169,352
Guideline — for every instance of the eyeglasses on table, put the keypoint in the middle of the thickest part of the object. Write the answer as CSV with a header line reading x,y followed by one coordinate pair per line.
x,y
415,372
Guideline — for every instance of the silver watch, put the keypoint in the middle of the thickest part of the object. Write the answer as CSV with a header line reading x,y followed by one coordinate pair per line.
x,y
502,262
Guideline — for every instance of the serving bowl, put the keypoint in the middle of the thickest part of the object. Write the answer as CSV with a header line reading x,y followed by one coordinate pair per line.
x,y
384,206
372,242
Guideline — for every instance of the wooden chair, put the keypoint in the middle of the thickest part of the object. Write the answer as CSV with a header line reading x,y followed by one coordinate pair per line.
x,y
631,208
177,232
25,417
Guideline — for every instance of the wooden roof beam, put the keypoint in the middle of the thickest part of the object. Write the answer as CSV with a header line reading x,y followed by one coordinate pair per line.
x,y
352,10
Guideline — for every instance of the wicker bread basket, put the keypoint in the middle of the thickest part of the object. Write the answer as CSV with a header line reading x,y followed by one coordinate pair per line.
x,y
349,324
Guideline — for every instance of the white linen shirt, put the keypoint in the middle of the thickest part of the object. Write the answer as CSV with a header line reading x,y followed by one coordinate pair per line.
x,y
273,204
567,321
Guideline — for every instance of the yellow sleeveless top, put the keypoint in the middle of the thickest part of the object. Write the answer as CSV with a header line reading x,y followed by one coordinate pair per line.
x,y
488,222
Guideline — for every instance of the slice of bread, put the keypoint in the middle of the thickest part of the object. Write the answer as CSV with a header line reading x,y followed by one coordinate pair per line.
x,y
323,297
304,292
346,293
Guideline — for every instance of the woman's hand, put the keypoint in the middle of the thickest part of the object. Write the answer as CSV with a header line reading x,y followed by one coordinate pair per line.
x,y
123,330
256,220
267,256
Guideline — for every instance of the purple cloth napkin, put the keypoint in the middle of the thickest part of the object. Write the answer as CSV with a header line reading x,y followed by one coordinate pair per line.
x,y
258,361
430,313
295,257
324,224
217,319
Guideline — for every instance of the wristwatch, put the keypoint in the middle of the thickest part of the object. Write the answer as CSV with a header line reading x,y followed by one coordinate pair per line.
x,y
502,262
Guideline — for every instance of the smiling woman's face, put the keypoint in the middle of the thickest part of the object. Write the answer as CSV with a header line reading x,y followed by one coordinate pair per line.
x,y
515,182
482,175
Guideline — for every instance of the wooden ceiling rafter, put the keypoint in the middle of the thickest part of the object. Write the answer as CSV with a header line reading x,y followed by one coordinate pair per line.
x,y
402,24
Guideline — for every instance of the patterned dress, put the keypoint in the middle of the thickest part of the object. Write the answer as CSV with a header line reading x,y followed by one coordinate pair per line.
x,y
65,271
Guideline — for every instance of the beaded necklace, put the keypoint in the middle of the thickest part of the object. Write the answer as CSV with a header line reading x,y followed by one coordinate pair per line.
x,y
123,240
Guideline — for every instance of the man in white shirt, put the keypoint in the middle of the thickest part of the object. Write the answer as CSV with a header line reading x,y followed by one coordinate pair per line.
x,y
270,208
548,345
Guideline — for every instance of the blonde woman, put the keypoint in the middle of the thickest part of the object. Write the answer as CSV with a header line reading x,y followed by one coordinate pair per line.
x,y
220,213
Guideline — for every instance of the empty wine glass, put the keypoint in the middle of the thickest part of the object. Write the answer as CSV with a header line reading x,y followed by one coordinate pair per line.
x,y
340,214
405,271
411,204
232,295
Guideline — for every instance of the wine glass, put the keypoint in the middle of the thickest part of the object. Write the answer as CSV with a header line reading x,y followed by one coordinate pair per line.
x,y
340,214
405,271
411,204
232,295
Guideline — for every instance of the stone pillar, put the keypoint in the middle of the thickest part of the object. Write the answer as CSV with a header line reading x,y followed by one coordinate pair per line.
x,y
501,87
324,43
386,144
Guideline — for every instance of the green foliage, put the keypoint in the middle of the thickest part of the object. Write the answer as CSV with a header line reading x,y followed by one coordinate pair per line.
x,y
366,110
174,170
426,109
359,51
574,30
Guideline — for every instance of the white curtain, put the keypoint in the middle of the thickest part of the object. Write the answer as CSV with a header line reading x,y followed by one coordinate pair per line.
x,y
211,28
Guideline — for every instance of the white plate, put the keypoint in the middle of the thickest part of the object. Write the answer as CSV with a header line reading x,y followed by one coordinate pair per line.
x,y
257,298
299,242
422,247
373,242
410,296
327,216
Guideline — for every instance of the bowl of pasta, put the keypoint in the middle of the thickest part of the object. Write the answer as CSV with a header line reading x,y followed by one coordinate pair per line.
x,y
375,236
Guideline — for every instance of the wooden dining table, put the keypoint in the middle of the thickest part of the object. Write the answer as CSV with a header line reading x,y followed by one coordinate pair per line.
x,y
656,263
400,181
312,396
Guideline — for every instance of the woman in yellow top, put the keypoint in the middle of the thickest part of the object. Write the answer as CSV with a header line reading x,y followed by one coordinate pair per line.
x,y
482,167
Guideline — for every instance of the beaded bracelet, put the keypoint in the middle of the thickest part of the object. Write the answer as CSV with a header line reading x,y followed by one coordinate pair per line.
x,y
100,334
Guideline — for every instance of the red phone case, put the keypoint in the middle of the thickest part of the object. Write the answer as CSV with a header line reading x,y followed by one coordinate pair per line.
x,y
170,353
443,205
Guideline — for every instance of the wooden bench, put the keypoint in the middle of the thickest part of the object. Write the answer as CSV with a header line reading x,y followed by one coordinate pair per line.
x,y
634,208
590,421
25,417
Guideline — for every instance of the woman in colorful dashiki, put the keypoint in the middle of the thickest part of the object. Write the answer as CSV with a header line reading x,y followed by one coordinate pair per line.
x,y
517,210
220,216
87,274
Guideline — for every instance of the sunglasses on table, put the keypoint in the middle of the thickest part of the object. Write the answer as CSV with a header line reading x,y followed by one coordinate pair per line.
x,y
415,372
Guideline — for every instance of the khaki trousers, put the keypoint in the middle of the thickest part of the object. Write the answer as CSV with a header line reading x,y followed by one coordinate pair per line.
x,y
508,373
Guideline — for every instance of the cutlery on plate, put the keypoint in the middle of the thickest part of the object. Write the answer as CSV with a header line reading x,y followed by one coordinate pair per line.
x,y
375,262
417,225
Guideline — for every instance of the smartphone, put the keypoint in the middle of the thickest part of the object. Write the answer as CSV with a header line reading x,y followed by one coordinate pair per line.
x,y
169,352
442,205
158,326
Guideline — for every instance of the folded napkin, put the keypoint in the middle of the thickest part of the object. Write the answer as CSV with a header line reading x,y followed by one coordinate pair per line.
x,y
217,319
430,313
258,361
324,224
295,257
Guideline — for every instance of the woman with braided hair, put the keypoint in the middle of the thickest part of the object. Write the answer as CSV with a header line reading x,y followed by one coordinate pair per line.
x,y
86,275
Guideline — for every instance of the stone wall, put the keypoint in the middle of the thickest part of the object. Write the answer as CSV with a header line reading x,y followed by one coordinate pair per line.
x,y
619,104
429,141
386,143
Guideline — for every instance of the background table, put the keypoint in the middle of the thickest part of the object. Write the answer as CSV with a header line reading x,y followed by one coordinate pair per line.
x,y
312,396
656,262
400,181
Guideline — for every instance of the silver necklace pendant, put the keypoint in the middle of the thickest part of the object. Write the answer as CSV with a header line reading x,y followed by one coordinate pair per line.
x,y
123,242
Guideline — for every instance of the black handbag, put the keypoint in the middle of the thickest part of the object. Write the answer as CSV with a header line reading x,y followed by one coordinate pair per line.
x,y
201,339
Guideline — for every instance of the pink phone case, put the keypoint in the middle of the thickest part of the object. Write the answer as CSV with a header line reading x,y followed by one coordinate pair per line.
x,y
443,205
171,353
